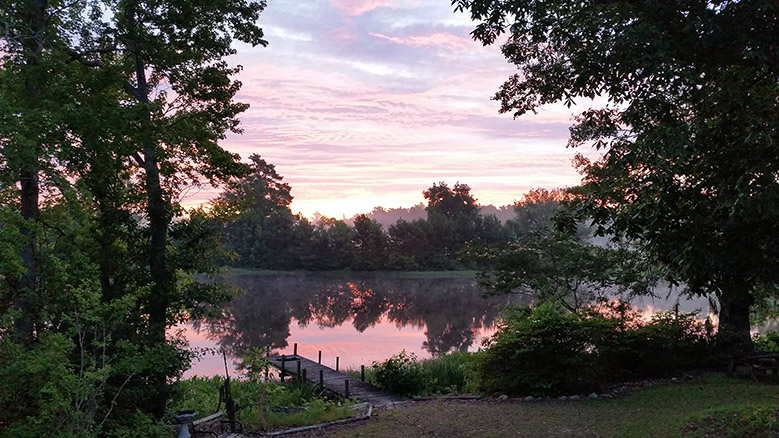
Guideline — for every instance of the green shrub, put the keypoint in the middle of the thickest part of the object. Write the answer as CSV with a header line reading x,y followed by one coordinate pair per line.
x,y
768,342
547,350
537,351
400,374
669,343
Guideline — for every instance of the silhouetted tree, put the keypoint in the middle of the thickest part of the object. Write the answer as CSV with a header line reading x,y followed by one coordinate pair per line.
x,y
689,164
371,245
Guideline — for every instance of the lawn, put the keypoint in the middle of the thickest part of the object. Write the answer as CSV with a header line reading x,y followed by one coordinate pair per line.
x,y
649,412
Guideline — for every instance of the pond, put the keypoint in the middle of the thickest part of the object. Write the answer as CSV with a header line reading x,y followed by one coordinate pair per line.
x,y
357,318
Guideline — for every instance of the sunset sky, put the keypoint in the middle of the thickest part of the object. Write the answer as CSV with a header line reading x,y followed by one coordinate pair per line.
x,y
363,103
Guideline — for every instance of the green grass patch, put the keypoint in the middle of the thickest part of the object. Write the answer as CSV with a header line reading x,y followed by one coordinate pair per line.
x,y
742,422
444,375
256,398
666,411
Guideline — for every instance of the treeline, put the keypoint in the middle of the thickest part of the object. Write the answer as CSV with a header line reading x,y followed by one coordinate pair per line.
x,y
263,233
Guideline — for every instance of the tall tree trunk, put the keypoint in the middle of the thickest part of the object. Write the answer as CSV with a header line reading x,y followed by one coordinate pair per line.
x,y
34,15
159,219
23,302
734,329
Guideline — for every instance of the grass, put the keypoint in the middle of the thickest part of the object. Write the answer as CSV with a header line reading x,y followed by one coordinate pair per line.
x,y
202,395
446,374
668,411
746,422
440,375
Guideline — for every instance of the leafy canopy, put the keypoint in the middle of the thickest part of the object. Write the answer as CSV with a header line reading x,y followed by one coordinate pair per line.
x,y
690,163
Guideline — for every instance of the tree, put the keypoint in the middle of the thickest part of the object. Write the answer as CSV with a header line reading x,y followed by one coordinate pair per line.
x,y
260,192
370,244
561,269
28,129
125,98
690,167
410,248
535,211
259,228
453,220
179,101
450,202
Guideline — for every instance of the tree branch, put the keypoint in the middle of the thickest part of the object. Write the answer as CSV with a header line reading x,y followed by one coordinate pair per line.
x,y
113,401
141,162
134,92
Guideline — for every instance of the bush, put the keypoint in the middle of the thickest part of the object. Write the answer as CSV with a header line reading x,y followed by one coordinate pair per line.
x,y
536,351
669,343
768,342
546,350
400,374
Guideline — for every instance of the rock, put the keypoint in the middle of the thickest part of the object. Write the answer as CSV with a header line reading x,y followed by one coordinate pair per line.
x,y
563,398
674,379
529,398
593,396
502,397
573,397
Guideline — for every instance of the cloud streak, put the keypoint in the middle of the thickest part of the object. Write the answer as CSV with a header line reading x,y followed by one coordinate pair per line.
x,y
367,103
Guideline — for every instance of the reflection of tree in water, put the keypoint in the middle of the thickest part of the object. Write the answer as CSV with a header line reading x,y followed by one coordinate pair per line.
x,y
450,310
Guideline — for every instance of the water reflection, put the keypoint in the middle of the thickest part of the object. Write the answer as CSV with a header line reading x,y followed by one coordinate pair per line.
x,y
449,311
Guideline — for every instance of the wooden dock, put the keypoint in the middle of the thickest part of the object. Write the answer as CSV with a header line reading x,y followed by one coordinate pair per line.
x,y
333,380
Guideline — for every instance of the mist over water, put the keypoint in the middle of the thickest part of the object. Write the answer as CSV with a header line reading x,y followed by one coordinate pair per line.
x,y
359,318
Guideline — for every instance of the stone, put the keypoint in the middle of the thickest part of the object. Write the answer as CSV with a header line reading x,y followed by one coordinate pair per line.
x,y
573,397
593,396
529,398
563,398
502,397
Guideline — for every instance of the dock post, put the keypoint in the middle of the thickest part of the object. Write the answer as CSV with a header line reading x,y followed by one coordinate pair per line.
x,y
283,359
298,374
336,362
320,357
305,377
295,349
321,380
346,387
267,363
362,373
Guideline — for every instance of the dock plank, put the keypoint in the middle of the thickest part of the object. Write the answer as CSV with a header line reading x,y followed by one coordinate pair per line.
x,y
334,380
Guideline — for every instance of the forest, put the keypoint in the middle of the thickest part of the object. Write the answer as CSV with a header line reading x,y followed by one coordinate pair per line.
x,y
263,233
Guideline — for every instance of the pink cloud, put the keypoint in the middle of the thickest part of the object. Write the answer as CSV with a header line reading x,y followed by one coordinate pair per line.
x,y
359,7
342,34
438,39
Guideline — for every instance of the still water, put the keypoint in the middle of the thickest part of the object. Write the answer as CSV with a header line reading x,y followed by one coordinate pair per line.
x,y
359,318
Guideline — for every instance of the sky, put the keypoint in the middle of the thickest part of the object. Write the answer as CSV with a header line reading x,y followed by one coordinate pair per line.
x,y
364,103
